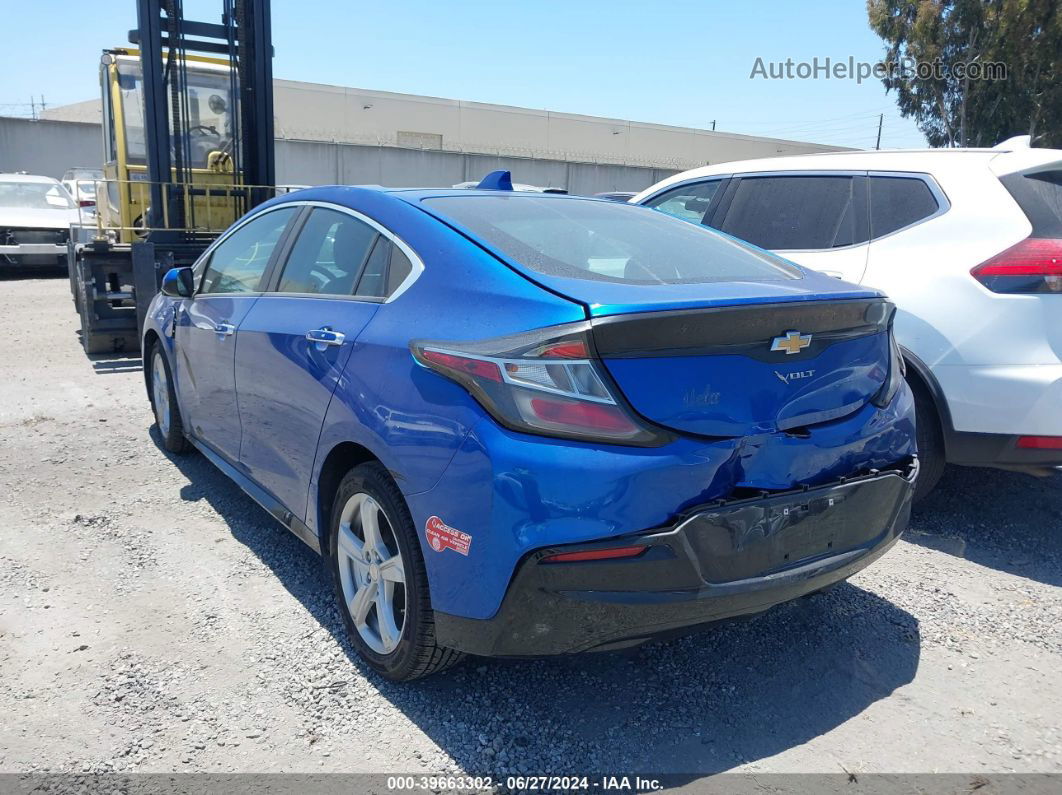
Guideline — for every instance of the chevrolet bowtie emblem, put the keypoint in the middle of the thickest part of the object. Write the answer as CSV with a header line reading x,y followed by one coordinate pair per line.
x,y
792,342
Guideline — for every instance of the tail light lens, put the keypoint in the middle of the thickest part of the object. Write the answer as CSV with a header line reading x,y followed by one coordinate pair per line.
x,y
897,366
545,382
87,203
1032,266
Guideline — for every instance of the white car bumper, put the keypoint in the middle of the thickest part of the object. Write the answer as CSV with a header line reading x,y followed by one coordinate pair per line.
x,y
33,249
1004,399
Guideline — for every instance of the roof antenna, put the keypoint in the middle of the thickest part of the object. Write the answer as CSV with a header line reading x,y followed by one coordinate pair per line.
x,y
496,180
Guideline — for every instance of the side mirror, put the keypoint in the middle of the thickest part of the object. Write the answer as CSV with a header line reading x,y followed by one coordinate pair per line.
x,y
178,283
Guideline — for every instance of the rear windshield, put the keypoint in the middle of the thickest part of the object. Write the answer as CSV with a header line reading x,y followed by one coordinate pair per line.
x,y
606,241
1040,196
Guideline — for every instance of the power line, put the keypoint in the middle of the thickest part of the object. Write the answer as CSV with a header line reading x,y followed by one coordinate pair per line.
x,y
814,121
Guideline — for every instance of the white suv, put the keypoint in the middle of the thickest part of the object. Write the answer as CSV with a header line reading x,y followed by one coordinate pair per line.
x,y
966,242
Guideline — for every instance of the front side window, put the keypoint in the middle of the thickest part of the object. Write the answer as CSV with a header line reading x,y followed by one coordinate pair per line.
x,y
607,241
237,263
790,213
688,202
328,255
896,202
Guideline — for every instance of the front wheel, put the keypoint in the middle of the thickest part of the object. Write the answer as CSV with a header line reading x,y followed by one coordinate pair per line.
x,y
164,403
379,578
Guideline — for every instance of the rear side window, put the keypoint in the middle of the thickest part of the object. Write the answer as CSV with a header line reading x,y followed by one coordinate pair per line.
x,y
584,239
328,255
1039,195
237,263
399,270
688,202
374,279
896,202
796,212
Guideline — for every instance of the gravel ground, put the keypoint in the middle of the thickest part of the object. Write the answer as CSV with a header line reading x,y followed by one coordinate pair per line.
x,y
153,618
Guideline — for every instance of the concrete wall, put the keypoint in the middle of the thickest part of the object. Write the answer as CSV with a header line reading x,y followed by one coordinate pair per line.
x,y
50,147
335,114
316,112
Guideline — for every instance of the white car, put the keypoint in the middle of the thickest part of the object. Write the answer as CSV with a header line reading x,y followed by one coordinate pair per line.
x,y
966,242
35,218
82,184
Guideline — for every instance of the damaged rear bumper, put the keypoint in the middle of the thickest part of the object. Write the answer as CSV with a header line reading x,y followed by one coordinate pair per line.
x,y
718,561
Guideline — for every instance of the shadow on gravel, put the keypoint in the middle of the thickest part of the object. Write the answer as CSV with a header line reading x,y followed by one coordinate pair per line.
x,y
110,363
1005,520
13,272
704,704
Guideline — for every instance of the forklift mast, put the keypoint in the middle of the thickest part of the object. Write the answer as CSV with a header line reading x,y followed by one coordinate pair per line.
x,y
165,38
185,190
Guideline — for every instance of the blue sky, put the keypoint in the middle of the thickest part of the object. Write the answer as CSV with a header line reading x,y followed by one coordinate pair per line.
x,y
677,62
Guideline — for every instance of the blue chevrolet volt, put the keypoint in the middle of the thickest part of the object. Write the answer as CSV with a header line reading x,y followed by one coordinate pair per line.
x,y
519,424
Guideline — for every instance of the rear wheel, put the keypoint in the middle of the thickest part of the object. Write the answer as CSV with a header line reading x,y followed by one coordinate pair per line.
x,y
379,578
164,403
930,442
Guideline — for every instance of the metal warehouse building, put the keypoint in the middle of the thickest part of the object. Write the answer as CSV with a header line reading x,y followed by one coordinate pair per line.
x,y
330,134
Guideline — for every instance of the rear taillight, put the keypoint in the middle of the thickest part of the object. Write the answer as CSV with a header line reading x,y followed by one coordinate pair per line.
x,y
87,203
1032,266
545,382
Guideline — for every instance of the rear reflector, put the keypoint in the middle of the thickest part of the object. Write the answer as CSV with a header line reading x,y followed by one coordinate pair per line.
x,y
1032,266
1040,442
595,554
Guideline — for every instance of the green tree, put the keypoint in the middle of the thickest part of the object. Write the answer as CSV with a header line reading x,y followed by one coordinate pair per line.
x,y
1023,36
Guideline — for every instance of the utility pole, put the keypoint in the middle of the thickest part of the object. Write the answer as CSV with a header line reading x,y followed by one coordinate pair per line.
x,y
33,108
713,125
881,118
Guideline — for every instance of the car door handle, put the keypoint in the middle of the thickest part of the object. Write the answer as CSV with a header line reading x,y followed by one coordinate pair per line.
x,y
224,329
323,337
834,274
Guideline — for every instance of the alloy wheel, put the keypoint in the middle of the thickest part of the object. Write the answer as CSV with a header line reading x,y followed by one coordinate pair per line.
x,y
160,393
372,573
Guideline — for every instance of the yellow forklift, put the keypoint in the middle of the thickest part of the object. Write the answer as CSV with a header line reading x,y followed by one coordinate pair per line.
x,y
188,149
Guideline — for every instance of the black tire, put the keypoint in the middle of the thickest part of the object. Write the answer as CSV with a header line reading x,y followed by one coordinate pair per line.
x,y
417,654
71,272
172,433
930,443
92,341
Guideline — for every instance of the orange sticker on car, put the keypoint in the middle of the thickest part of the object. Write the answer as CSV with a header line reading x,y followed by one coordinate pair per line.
x,y
441,536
